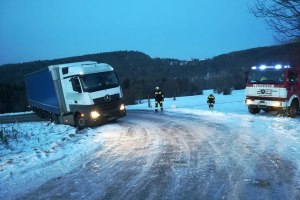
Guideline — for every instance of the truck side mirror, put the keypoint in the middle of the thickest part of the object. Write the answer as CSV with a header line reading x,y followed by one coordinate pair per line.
x,y
292,81
76,85
293,78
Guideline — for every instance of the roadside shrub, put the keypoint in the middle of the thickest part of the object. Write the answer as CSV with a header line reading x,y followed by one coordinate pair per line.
x,y
224,90
3,137
227,91
7,134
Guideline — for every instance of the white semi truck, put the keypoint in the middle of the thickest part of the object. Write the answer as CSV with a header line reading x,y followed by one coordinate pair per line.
x,y
79,94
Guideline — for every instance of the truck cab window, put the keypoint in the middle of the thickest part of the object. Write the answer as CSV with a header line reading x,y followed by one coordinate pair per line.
x,y
266,77
293,77
103,80
76,84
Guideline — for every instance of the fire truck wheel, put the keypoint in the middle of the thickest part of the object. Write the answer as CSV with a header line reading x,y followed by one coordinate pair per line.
x,y
253,110
265,110
293,110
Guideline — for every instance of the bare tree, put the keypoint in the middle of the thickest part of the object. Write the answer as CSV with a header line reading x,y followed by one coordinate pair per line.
x,y
283,16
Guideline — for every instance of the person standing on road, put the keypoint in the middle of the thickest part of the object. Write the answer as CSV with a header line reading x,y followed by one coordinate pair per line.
x,y
159,99
211,101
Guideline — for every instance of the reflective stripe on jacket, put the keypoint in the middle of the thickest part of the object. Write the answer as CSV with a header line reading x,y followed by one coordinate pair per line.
x,y
159,96
210,99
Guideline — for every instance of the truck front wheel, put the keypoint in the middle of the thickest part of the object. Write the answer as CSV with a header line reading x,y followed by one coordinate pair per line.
x,y
253,110
293,110
80,122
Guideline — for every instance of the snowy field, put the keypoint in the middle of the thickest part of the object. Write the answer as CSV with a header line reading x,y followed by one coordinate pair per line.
x,y
36,152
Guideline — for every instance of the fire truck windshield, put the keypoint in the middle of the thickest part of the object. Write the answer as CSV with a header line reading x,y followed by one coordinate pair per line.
x,y
266,77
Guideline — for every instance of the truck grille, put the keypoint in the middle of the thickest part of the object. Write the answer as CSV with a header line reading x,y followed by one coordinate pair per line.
x,y
110,105
267,98
104,99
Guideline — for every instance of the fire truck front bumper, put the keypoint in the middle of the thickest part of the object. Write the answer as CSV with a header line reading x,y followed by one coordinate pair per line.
x,y
269,104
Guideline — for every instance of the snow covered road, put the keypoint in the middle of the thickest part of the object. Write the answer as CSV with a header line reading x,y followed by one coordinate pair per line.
x,y
185,156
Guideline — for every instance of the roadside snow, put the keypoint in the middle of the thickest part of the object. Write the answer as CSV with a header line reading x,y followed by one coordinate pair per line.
x,y
40,151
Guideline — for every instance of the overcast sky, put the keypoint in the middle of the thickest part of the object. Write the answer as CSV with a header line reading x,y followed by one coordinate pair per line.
x,y
183,29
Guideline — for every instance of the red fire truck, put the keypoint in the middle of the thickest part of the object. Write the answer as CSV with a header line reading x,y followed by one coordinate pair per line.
x,y
273,88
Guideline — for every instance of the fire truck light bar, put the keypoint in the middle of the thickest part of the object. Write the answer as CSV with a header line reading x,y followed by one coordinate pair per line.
x,y
263,67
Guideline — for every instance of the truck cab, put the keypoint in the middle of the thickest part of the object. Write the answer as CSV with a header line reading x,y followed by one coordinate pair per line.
x,y
80,94
273,88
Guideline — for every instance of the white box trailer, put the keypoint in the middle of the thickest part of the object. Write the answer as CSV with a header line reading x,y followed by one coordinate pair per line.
x,y
80,94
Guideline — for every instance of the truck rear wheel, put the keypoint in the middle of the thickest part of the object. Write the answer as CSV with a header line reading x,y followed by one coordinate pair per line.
x,y
54,118
38,112
253,110
293,110
80,122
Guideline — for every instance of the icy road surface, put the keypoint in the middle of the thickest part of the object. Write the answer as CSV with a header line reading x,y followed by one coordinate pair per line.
x,y
163,156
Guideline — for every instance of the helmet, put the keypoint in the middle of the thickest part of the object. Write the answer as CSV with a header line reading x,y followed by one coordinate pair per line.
x,y
156,88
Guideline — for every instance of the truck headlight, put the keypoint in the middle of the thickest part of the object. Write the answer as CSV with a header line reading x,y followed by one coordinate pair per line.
x,y
95,114
277,104
122,107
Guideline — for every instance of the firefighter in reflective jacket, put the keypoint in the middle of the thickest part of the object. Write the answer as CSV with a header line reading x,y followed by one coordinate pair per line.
x,y
211,101
159,99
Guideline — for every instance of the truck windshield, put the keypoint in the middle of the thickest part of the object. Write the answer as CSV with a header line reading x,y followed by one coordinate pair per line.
x,y
99,81
266,77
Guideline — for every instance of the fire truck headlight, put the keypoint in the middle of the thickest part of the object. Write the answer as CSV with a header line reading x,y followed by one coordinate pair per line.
x,y
95,114
277,104
248,101
122,107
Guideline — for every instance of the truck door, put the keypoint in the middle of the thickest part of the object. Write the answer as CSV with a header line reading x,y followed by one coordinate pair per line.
x,y
73,93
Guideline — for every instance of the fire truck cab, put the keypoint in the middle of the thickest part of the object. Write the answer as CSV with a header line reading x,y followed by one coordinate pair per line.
x,y
273,88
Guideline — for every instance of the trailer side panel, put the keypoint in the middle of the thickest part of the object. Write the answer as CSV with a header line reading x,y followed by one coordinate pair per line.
x,y
41,91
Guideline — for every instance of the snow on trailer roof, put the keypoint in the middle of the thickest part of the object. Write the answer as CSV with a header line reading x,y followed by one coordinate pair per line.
x,y
81,68
75,64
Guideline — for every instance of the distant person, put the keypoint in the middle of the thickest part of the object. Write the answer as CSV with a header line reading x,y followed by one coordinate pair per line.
x,y
211,101
159,99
